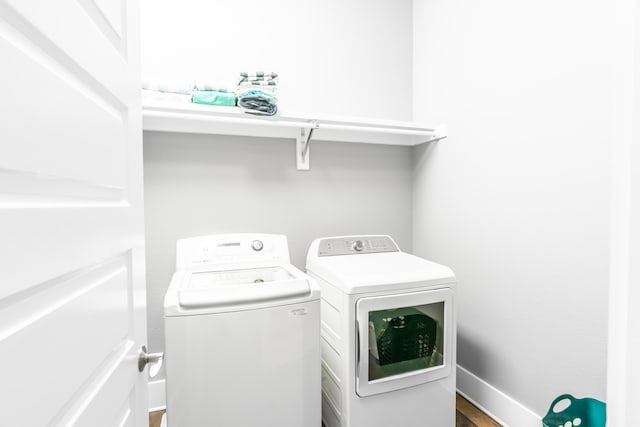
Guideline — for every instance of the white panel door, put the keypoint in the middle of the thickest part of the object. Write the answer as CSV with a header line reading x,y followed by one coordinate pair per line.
x,y
72,298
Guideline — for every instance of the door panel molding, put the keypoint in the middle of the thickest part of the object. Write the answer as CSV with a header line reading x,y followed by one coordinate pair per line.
x,y
56,291
106,25
23,190
50,92
72,304
108,377
26,37
87,313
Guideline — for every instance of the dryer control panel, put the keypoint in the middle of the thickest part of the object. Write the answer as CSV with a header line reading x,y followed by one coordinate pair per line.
x,y
354,245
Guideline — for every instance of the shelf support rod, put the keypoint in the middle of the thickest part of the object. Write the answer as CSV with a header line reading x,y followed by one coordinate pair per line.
x,y
302,147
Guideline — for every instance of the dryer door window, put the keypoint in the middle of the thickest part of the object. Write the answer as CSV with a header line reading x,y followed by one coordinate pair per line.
x,y
403,340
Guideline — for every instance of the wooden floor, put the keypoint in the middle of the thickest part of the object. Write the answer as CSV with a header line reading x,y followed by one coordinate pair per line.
x,y
467,416
155,418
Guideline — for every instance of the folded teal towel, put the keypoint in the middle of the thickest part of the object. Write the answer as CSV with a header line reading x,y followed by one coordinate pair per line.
x,y
211,97
258,102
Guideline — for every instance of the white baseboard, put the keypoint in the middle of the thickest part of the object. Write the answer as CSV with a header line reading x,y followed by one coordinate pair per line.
x,y
502,408
157,399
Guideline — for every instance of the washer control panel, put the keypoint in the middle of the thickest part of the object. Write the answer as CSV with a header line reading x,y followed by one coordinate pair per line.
x,y
353,245
231,249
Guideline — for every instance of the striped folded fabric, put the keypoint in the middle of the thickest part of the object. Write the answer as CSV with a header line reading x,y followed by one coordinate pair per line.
x,y
258,78
259,75
258,82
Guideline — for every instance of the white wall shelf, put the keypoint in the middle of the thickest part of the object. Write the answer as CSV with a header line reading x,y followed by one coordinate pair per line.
x,y
184,117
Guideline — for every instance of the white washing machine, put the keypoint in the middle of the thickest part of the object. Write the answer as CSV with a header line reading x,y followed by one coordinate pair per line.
x,y
242,335
388,334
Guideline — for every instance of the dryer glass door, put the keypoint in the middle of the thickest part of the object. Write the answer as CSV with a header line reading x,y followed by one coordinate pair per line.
x,y
403,340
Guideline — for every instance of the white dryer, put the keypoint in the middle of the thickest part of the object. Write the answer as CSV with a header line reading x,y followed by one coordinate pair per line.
x,y
242,335
388,334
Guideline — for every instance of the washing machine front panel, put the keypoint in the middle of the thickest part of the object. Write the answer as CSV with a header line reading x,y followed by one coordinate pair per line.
x,y
403,340
242,344
239,369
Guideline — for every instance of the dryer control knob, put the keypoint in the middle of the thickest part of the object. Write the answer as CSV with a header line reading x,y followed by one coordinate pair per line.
x,y
358,246
257,245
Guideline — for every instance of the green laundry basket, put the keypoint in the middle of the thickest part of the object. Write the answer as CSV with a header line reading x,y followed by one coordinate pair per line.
x,y
585,412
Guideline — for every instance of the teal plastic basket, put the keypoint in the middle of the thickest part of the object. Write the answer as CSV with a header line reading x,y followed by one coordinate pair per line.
x,y
585,412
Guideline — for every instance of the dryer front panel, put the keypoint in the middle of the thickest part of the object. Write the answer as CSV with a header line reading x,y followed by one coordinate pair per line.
x,y
403,340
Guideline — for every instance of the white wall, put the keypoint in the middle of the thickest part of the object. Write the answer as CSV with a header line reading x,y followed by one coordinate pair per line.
x,y
203,184
623,386
517,199
335,57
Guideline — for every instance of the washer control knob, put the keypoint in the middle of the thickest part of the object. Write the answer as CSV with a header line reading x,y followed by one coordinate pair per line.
x,y
257,245
358,246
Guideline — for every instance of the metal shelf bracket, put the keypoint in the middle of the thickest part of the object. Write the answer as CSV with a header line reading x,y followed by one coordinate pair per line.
x,y
302,146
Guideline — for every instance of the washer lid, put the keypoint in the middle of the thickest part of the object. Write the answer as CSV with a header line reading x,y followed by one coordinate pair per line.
x,y
228,278
378,271
235,287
